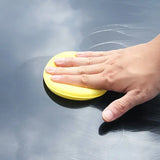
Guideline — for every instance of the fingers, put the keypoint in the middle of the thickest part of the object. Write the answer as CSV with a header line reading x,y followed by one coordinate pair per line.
x,y
72,61
91,69
85,58
94,54
91,76
89,81
120,106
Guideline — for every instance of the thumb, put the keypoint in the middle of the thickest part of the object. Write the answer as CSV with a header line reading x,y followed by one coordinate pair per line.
x,y
120,106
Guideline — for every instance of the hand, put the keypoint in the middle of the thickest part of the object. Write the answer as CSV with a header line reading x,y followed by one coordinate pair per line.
x,y
134,71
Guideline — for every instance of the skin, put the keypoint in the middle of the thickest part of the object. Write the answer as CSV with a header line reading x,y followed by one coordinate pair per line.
x,y
134,71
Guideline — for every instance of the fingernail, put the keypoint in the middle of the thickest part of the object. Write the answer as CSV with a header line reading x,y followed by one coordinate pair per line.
x,y
56,77
50,69
108,115
59,60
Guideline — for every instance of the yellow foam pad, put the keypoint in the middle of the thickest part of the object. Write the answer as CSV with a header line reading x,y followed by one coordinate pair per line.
x,y
66,90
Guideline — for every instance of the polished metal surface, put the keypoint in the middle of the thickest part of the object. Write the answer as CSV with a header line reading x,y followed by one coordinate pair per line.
x,y
38,125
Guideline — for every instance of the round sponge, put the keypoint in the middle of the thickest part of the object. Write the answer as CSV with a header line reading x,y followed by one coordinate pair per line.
x,y
66,90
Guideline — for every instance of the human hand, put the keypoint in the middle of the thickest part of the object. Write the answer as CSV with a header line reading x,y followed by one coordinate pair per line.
x,y
134,71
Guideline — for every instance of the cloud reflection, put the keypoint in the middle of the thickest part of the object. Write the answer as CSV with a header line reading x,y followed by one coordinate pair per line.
x,y
32,125
39,28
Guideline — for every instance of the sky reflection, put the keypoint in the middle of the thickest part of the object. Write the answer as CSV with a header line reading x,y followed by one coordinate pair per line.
x,y
33,126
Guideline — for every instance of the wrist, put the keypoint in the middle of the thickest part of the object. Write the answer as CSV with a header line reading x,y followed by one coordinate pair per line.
x,y
153,49
154,44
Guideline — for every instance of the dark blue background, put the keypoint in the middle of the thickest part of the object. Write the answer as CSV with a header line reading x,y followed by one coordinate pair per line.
x,y
37,125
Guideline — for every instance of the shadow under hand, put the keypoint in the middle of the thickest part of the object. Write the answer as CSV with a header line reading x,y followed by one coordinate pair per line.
x,y
144,117
66,102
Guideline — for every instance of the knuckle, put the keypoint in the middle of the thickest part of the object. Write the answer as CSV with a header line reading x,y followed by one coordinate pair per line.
x,y
118,66
111,76
141,96
137,92
89,61
118,56
144,95
70,61
108,78
84,79
81,70
60,70
102,53
107,61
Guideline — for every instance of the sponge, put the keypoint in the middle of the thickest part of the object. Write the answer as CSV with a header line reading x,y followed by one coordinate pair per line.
x,y
66,90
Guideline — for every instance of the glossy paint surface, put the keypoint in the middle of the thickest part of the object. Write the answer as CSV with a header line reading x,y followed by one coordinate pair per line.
x,y
38,125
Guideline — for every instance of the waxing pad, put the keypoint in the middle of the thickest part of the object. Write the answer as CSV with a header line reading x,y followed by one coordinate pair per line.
x,y
69,91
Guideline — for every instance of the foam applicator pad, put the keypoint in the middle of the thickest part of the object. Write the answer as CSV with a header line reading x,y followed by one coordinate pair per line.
x,y
66,90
